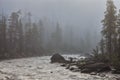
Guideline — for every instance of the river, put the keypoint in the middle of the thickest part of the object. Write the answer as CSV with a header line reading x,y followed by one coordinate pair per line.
x,y
40,68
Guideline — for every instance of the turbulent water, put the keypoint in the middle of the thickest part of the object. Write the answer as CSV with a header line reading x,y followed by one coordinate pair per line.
x,y
40,68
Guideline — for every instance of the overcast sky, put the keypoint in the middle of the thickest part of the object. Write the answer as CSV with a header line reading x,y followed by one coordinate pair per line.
x,y
78,13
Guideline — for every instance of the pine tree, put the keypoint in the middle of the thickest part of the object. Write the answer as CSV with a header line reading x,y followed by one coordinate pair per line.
x,y
28,35
28,42
57,37
3,40
118,32
15,33
21,38
41,32
109,28
102,46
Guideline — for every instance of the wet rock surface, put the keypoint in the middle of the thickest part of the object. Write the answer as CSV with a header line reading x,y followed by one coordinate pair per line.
x,y
57,58
40,68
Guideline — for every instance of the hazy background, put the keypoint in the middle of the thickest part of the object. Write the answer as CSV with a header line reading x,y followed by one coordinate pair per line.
x,y
83,17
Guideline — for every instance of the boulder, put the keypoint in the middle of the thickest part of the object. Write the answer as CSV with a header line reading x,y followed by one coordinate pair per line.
x,y
96,67
57,58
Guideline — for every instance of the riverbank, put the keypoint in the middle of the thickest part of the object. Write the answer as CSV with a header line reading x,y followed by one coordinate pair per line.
x,y
40,68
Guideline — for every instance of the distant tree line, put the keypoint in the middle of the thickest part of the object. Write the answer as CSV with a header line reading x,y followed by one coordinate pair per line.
x,y
20,36
15,41
25,38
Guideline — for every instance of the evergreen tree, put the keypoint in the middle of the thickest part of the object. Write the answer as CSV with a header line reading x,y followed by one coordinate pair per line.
x,y
13,36
35,39
21,38
28,36
118,32
57,38
3,40
41,32
28,42
109,29
102,46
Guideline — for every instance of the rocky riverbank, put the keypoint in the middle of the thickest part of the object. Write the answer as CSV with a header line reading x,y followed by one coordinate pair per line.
x,y
40,68
85,65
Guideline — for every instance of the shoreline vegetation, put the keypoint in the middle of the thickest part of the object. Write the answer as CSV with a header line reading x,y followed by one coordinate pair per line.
x,y
108,50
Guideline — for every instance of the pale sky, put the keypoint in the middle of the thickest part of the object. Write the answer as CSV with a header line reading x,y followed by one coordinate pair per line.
x,y
63,10
78,13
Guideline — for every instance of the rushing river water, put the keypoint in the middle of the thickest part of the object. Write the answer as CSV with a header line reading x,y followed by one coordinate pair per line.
x,y
40,68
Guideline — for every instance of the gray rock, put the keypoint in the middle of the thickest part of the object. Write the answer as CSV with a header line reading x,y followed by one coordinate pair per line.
x,y
57,58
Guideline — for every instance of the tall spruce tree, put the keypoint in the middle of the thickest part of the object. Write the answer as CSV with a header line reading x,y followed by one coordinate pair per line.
x,y
118,32
3,40
109,28
13,33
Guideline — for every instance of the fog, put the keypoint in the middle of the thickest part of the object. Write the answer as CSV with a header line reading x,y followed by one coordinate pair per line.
x,y
80,20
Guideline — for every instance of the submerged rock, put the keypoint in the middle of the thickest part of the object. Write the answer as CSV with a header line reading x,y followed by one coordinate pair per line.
x,y
57,58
